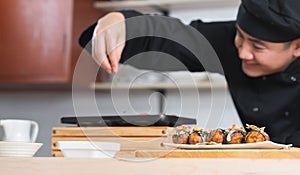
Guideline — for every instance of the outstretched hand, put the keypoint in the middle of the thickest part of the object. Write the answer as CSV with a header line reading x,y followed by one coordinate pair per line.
x,y
108,41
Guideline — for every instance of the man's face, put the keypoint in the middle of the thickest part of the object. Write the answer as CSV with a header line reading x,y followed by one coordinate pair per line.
x,y
261,58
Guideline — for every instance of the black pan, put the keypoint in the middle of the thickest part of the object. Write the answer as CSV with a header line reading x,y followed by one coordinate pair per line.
x,y
129,120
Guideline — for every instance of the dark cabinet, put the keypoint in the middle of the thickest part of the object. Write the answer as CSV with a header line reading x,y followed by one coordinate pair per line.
x,y
38,39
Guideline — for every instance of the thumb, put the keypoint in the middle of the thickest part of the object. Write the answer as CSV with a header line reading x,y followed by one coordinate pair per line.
x,y
115,57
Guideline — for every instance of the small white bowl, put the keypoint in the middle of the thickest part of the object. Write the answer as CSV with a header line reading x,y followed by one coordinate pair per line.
x,y
88,149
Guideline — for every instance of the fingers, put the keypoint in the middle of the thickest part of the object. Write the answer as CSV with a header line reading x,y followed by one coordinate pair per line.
x,y
115,45
115,56
109,41
99,52
107,66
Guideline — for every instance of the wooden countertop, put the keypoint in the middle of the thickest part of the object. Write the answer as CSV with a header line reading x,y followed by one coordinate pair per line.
x,y
77,166
292,153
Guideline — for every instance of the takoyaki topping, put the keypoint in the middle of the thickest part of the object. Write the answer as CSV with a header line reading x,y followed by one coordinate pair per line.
x,y
236,127
182,129
198,129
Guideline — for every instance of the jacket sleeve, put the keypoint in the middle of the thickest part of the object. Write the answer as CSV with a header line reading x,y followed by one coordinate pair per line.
x,y
198,46
157,39
86,36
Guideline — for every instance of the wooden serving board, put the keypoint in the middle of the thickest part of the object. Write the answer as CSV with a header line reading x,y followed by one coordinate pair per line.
x,y
110,131
292,153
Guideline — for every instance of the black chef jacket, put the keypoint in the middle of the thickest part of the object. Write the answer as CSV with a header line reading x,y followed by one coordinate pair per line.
x,y
272,101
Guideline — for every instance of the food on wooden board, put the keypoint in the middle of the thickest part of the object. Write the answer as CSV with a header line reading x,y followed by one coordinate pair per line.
x,y
234,135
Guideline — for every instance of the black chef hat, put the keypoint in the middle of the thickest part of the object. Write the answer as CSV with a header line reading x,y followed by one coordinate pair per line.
x,y
270,20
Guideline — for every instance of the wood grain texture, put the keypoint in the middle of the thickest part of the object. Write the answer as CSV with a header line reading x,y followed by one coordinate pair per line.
x,y
127,143
35,41
293,153
80,166
110,131
130,138
119,155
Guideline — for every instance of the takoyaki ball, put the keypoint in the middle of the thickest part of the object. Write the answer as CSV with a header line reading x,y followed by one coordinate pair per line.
x,y
196,136
235,135
216,136
256,134
181,135
181,138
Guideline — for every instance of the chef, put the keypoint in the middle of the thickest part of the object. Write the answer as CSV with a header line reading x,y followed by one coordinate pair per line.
x,y
259,54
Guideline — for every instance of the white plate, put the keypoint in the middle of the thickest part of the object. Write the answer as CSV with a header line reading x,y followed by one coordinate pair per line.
x,y
18,149
258,145
88,149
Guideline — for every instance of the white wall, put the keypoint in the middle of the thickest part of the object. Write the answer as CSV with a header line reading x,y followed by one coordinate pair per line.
x,y
223,10
206,14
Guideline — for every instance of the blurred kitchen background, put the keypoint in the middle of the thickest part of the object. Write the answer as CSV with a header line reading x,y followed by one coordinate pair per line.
x,y
39,52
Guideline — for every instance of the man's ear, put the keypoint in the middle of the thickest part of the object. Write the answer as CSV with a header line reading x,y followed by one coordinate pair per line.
x,y
297,47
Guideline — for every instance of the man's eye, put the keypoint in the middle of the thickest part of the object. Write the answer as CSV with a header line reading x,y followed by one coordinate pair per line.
x,y
258,47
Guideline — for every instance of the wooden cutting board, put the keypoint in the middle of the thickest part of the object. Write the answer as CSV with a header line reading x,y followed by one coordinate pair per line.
x,y
292,153
130,138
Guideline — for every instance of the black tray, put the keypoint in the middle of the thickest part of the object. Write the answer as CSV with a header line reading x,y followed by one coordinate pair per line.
x,y
129,120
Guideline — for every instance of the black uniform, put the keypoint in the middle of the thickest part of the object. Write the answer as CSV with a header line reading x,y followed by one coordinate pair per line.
x,y
272,101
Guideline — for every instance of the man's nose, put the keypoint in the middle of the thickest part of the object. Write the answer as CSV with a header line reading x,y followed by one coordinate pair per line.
x,y
245,52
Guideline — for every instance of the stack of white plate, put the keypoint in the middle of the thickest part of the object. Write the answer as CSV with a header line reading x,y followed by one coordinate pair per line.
x,y
18,149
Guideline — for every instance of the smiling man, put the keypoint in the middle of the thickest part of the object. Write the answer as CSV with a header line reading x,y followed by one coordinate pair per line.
x,y
259,54
264,58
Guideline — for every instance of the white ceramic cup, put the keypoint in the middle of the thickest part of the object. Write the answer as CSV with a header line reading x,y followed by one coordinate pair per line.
x,y
16,130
